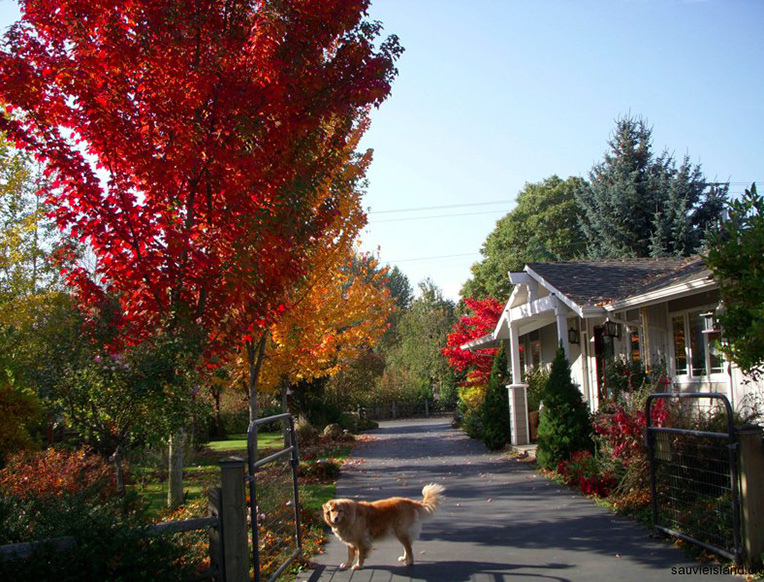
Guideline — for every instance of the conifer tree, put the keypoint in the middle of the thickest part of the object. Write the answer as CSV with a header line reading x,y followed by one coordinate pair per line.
x,y
564,426
496,406
639,205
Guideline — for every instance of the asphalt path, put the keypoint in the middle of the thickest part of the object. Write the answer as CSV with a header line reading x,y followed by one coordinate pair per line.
x,y
500,520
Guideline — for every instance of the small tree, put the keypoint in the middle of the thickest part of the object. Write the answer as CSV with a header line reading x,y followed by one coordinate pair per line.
x,y
496,406
564,426
736,258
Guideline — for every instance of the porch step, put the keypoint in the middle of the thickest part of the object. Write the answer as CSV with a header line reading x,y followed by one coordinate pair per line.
x,y
525,451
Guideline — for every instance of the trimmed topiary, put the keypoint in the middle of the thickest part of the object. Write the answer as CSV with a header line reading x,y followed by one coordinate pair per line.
x,y
564,425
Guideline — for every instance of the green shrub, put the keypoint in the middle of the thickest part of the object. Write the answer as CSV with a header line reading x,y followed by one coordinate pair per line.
x,y
625,377
469,412
496,430
536,379
564,426
306,433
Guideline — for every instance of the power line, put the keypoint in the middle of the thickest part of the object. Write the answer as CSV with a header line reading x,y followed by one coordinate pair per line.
x,y
440,207
433,258
438,216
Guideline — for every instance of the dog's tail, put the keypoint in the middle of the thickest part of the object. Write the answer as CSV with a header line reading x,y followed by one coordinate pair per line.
x,y
431,497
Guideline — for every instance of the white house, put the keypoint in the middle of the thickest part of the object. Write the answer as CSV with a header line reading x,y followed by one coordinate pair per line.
x,y
660,311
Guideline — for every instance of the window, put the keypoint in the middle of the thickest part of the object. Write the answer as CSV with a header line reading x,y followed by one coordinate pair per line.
x,y
636,355
697,357
680,347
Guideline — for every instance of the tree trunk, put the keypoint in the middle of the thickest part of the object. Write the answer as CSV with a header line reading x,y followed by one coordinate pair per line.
x,y
119,475
255,355
175,470
219,429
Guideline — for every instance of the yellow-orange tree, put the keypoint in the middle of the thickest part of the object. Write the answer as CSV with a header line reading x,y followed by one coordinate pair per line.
x,y
343,312
338,309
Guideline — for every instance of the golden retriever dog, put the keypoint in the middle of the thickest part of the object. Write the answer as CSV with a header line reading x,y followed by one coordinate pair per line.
x,y
359,523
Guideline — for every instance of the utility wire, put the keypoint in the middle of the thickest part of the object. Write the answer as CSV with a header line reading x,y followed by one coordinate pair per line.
x,y
469,205
432,258
438,216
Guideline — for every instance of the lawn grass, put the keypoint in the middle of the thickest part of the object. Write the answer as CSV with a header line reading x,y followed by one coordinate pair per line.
x,y
202,472
199,473
238,442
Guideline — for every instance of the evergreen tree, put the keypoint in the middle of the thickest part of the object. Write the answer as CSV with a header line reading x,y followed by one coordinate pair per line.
x,y
496,406
640,205
564,426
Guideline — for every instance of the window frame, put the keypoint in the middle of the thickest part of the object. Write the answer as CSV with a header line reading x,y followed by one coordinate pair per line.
x,y
688,374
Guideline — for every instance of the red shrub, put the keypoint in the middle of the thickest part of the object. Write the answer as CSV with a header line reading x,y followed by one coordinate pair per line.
x,y
53,472
583,472
623,429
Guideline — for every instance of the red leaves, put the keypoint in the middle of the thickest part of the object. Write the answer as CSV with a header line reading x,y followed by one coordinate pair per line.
x,y
485,315
201,138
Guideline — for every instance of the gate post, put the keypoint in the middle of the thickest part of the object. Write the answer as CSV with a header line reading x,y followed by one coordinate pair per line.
x,y
751,467
233,521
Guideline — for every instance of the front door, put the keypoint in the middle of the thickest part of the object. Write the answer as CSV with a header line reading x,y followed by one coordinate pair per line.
x,y
603,353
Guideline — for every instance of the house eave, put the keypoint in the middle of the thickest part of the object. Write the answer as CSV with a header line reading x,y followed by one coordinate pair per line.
x,y
483,342
661,295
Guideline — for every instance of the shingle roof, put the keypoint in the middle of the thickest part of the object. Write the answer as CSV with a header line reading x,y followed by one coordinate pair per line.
x,y
592,283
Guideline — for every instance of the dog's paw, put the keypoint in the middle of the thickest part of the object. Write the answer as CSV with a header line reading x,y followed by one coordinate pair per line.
x,y
405,560
357,566
344,565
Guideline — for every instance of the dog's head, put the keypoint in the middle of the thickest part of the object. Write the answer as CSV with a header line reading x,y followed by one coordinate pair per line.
x,y
337,511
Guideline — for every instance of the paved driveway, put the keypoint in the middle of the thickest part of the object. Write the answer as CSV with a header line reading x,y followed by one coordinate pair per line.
x,y
500,519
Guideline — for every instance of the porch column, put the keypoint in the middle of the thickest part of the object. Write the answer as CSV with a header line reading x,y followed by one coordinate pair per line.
x,y
562,327
518,400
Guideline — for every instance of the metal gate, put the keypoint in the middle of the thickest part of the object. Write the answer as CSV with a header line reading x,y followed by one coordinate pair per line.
x,y
693,473
273,502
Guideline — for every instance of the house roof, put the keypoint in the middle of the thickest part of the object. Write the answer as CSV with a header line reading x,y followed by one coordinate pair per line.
x,y
597,283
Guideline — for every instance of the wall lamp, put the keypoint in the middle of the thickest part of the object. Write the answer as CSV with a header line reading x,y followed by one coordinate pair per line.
x,y
612,329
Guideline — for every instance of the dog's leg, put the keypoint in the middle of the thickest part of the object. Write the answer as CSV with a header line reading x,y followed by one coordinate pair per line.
x,y
408,556
363,551
351,555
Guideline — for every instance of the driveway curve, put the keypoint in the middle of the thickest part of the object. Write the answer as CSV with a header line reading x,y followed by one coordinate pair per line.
x,y
500,520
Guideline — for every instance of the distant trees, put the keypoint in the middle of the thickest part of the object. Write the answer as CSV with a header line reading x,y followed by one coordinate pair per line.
x,y
736,258
638,205
416,359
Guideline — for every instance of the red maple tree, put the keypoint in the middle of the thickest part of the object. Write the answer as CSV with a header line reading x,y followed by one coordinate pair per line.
x,y
482,320
192,144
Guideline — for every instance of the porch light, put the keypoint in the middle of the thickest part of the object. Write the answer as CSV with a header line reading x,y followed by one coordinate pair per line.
x,y
612,329
573,335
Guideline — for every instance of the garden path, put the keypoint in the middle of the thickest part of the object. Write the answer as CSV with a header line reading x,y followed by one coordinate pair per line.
x,y
500,521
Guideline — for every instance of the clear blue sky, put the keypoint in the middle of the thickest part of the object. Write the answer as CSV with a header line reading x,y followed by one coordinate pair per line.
x,y
493,94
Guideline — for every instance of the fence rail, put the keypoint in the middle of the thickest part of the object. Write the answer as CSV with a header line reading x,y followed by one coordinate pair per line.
x,y
229,559
393,410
